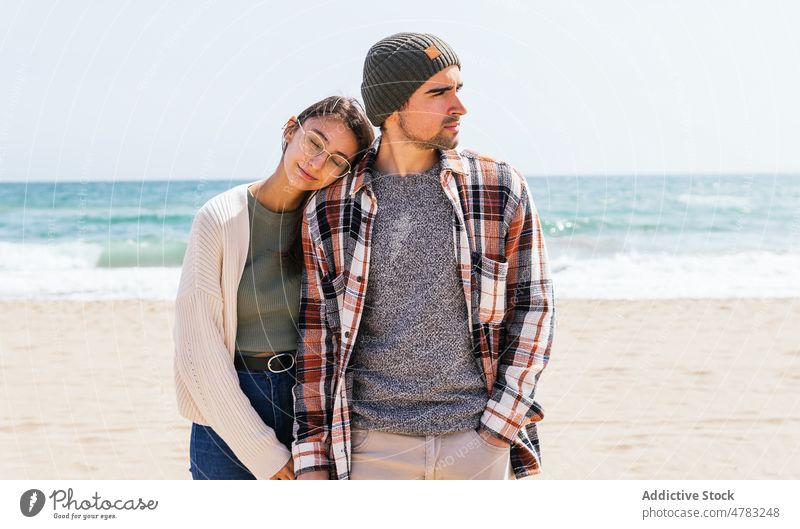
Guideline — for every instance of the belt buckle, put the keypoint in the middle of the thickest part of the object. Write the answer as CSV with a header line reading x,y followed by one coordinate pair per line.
x,y
273,357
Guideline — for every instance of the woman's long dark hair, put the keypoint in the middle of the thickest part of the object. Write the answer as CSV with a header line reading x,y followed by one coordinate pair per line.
x,y
350,112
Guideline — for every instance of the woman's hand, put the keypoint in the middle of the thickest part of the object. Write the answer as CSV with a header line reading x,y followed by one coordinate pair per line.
x,y
287,472
317,474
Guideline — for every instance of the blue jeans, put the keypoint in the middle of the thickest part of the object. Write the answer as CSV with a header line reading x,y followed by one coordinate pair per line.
x,y
271,396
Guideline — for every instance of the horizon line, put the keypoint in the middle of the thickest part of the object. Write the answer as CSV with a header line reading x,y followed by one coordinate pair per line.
x,y
560,175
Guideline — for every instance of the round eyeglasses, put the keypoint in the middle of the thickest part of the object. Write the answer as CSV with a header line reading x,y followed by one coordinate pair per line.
x,y
313,145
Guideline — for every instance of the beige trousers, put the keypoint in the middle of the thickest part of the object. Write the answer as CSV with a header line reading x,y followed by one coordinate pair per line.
x,y
459,455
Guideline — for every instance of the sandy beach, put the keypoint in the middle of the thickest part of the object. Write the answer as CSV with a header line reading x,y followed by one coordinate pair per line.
x,y
668,389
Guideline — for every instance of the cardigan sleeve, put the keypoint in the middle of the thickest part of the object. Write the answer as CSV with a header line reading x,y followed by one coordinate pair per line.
x,y
203,361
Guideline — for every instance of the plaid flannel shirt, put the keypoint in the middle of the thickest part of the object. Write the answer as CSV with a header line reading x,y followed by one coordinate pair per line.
x,y
502,259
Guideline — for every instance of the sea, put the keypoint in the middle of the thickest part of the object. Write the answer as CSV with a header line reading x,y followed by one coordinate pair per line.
x,y
608,237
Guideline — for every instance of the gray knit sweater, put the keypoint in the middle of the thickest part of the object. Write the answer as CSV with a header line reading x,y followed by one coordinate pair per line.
x,y
413,371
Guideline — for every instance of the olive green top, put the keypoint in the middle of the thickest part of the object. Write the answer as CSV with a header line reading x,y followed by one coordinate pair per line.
x,y
268,299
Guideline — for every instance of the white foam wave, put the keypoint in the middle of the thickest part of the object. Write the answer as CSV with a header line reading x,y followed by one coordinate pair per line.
x,y
651,276
76,255
617,276
43,257
98,283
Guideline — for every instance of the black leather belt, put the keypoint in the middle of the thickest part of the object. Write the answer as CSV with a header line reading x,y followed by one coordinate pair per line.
x,y
275,363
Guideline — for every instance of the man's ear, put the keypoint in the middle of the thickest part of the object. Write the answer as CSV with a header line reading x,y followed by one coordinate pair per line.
x,y
391,119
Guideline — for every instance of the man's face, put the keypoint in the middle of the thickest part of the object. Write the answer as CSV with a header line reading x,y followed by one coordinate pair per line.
x,y
431,117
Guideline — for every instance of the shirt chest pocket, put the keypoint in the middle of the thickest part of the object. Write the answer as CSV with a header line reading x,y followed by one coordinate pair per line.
x,y
333,290
491,283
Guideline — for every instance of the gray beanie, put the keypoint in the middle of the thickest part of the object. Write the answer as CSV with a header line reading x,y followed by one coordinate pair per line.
x,y
396,66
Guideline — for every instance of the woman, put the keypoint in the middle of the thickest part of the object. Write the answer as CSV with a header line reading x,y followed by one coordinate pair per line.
x,y
239,299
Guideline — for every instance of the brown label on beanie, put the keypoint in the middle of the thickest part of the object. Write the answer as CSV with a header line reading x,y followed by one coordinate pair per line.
x,y
432,52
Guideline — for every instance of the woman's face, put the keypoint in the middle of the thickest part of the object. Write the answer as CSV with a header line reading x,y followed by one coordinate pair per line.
x,y
318,151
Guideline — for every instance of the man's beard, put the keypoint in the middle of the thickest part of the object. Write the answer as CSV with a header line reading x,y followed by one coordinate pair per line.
x,y
441,141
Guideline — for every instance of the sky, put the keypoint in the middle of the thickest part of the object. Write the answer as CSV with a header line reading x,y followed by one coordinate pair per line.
x,y
146,90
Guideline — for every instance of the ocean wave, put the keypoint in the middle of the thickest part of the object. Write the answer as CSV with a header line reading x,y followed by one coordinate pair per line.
x,y
616,276
116,219
620,224
142,254
89,284
102,217
669,276
715,201
42,256
90,255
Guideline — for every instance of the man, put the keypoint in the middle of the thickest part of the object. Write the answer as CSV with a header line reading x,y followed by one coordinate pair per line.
x,y
427,304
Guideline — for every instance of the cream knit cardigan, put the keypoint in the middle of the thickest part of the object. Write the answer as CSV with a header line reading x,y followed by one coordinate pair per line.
x,y
206,382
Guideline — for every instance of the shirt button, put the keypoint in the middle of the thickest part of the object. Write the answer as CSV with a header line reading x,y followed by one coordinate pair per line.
x,y
358,279
347,334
